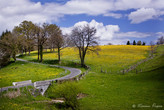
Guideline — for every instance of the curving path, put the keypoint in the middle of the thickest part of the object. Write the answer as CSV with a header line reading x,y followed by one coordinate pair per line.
x,y
74,71
43,85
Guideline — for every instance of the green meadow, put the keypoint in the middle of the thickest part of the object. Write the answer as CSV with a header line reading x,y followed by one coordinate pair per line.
x,y
21,71
109,90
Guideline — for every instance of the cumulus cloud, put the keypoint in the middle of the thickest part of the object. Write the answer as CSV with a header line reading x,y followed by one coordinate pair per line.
x,y
159,34
104,32
108,33
132,34
12,12
143,14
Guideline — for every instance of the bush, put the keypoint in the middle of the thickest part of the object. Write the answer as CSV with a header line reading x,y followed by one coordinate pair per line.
x,y
4,57
66,90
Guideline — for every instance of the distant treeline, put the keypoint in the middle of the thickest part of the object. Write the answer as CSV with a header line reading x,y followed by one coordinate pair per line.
x,y
159,42
136,43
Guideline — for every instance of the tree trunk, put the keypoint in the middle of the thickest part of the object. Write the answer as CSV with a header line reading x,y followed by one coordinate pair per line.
x,y
41,53
82,59
22,51
82,62
50,49
38,52
59,54
29,51
25,51
53,49
14,56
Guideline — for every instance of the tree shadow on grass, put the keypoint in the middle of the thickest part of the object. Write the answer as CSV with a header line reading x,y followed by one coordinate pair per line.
x,y
57,62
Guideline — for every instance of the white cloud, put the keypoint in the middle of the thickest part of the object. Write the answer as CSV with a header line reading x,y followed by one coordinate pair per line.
x,y
115,15
143,14
12,12
104,32
159,34
132,34
109,33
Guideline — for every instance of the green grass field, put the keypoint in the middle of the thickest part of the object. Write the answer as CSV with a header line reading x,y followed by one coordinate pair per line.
x,y
112,90
21,71
120,92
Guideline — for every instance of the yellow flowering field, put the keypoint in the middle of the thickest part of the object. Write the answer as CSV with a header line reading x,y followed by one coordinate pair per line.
x,y
111,58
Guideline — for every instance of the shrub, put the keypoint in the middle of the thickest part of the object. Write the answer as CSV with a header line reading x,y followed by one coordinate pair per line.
x,y
4,57
66,90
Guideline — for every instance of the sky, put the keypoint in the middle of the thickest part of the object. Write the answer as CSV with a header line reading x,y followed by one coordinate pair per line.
x,y
116,21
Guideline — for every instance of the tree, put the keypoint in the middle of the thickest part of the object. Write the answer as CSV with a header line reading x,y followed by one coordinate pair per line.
x,y
9,44
59,41
4,55
4,34
144,43
134,42
109,43
56,39
41,35
139,42
128,42
160,40
85,40
25,31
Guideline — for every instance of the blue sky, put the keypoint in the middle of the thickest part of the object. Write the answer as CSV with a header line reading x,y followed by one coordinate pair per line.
x,y
116,21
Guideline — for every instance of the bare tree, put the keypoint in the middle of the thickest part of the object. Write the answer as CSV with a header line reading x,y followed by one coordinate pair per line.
x,y
85,40
160,40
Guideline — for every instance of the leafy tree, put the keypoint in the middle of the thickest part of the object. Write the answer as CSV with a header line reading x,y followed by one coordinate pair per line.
x,y
139,43
4,55
9,44
134,42
144,43
4,34
26,33
128,42
85,40
41,36
56,39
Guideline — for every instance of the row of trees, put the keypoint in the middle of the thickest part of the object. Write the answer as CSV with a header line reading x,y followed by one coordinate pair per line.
x,y
160,41
28,36
134,43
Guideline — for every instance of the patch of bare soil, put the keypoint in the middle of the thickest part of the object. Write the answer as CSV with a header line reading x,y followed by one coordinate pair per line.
x,y
12,94
81,95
